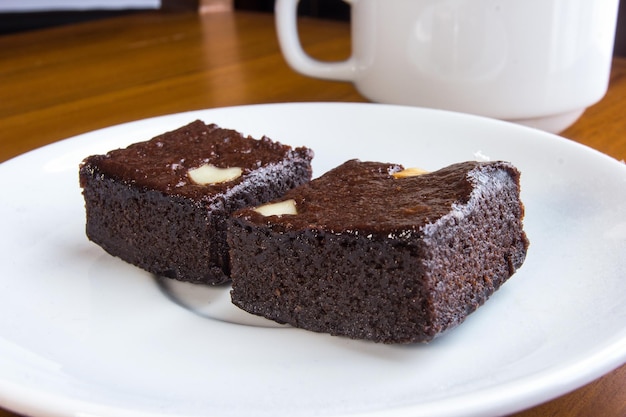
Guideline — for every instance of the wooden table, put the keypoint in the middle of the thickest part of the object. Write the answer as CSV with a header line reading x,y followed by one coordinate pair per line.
x,y
60,82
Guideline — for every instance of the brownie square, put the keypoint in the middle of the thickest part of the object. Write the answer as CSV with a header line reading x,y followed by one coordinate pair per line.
x,y
369,252
162,204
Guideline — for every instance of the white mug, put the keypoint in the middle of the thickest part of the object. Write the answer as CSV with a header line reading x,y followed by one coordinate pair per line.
x,y
536,62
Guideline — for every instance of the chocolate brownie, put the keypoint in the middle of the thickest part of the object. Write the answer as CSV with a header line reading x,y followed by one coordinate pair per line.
x,y
162,204
369,252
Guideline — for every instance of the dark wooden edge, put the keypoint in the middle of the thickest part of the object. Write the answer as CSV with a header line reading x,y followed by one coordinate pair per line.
x,y
180,5
25,21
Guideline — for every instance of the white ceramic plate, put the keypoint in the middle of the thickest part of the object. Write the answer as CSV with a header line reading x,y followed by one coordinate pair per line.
x,y
84,334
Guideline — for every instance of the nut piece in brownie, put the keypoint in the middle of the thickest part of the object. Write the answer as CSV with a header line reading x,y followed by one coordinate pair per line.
x,y
370,251
162,204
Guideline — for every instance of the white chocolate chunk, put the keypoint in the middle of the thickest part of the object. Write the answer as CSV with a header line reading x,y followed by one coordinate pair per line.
x,y
210,174
409,172
277,209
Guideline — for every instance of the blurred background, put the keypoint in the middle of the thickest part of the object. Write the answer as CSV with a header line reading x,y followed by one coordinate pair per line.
x,y
23,15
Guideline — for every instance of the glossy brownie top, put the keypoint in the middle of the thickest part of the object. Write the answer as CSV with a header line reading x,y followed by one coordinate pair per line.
x,y
364,197
163,163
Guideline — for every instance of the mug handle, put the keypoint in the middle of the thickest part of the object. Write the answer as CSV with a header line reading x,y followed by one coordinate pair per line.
x,y
287,29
